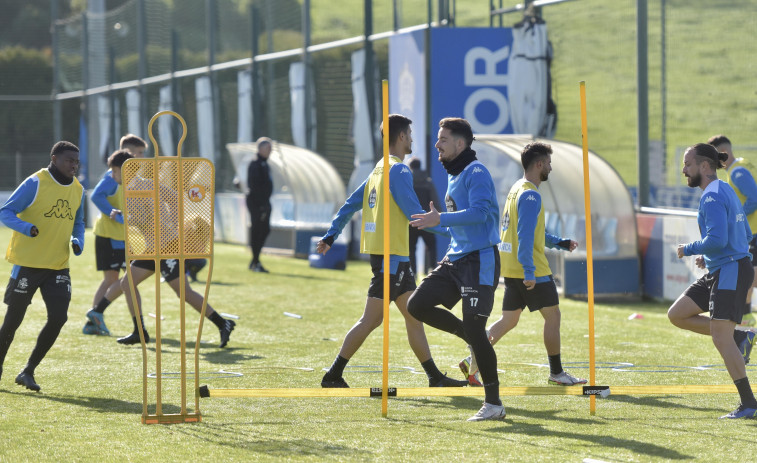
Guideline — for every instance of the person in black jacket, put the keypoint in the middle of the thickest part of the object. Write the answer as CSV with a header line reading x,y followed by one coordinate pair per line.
x,y
260,187
426,192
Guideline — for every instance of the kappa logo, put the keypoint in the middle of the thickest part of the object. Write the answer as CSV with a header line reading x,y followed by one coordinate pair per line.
x,y
737,174
477,170
23,283
530,197
709,199
405,170
61,210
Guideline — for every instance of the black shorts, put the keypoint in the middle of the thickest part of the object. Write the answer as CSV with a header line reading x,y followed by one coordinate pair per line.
x,y
400,283
723,292
472,278
55,286
753,249
518,297
169,268
108,258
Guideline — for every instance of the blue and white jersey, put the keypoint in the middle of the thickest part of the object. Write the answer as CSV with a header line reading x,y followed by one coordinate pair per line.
x,y
472,211
723,226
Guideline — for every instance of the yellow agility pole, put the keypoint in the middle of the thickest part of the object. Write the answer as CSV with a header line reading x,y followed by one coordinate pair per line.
x,y
589,254
387,266
512,391
168,216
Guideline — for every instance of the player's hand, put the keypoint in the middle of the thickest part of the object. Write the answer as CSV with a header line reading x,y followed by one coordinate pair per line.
x,y
114,213
700,262
573,245
429,219
680,251
321,247
529,284
34,231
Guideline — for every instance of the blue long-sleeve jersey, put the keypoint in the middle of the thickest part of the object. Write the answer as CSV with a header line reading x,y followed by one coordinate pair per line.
x,y
107,186
401,189
473,212
529,207
744,181
22,198
723,226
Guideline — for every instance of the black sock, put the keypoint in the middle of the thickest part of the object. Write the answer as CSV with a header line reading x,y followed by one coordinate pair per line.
x,y
136,327
102,304
337,369
491,391
739,336
431,370
555,364
745,392
217,320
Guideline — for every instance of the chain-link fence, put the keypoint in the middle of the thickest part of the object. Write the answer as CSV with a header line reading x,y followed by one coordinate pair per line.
x,y
700,73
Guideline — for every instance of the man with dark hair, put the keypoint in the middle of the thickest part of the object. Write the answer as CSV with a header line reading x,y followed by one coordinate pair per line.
x,y
46,214
724,251
402,203
260,188
528,278
741,177
109,232
426,193
470,269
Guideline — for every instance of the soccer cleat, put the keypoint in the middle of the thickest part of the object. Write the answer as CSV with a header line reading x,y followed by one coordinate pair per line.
x,y
446,381
258,267
741,412
339,382
465,365
89,328
489,412
133,338
745,346
565,379
228,327
475,380
99,321
27,380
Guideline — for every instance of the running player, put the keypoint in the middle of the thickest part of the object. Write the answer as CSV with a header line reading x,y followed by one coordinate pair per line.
x,y
470,269
402,203
528,278
724,251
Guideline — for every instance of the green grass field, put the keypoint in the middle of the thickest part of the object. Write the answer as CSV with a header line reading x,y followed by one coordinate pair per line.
x,y
91,398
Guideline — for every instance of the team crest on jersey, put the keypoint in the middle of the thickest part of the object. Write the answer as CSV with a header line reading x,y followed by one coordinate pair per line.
x,y
505,221
23,283
61,210
372,198
451,206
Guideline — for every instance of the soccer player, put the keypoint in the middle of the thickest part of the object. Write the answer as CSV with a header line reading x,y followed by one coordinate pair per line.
x,y
402,204
143,219
470,269
109,234
741,177
109,241
724,251
46,214
528,278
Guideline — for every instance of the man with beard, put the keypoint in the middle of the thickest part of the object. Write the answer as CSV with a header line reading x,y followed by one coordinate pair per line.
x,y
470,269
46,216
724,251
528,278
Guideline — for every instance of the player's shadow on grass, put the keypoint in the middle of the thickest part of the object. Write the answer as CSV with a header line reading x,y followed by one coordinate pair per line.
x,y
98,404
658,401
244,435
208,352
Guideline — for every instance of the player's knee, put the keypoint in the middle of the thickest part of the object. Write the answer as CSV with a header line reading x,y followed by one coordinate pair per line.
x,y
57,319
416,306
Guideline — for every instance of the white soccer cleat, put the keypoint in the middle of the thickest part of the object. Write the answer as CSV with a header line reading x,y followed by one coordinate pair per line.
x,y
489,412
565,379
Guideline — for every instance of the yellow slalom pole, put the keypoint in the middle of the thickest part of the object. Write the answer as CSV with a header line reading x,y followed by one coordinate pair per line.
x,y
387,268
589,254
